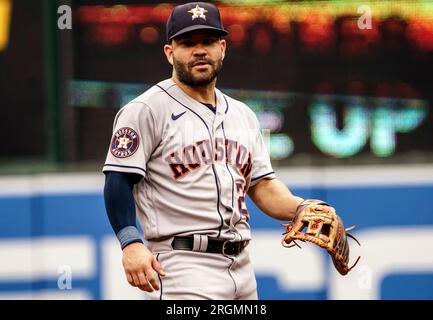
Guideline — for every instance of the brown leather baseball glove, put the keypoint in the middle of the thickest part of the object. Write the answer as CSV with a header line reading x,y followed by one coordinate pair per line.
x,y
317,222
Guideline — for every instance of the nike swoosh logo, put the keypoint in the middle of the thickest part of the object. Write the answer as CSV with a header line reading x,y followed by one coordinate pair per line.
x,y
175,117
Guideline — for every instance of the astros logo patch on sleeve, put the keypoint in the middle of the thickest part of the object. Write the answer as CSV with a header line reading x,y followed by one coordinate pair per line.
x,y
124,143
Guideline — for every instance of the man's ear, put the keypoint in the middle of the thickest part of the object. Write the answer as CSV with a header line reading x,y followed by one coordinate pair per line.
x,y
168,50
223,44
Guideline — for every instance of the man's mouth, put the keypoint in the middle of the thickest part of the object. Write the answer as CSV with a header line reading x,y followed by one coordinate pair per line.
x,y
200,64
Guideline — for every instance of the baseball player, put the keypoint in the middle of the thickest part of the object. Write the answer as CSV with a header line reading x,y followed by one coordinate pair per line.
x,y
183,157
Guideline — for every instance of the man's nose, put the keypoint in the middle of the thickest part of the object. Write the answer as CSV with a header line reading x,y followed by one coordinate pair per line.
x,y
199,50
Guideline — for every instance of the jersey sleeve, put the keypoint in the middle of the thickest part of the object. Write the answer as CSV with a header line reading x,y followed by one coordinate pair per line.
x,y
133,140
261,162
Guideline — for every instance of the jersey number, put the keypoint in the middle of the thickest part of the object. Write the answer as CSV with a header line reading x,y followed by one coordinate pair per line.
x,y
242,206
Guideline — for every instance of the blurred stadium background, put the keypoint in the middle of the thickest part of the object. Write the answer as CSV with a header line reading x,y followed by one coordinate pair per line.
x,y
346,106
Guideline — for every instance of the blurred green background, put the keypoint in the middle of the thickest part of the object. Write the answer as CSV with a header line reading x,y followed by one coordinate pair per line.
x,y
333,82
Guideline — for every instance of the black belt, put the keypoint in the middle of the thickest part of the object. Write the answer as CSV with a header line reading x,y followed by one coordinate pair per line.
x,y
213,246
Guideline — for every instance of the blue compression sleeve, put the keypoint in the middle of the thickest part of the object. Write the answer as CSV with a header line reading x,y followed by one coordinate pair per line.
x,y
120,205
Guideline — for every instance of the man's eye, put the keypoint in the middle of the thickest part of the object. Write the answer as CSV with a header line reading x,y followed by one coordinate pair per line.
x,y
187,43
209,40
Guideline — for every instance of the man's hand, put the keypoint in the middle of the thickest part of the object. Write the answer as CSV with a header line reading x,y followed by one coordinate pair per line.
x,y
140,266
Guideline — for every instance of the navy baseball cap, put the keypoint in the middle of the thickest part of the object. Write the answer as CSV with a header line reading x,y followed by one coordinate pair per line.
x,y
194,16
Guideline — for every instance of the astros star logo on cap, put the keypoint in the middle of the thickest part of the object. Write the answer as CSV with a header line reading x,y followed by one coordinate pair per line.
x,y
198,12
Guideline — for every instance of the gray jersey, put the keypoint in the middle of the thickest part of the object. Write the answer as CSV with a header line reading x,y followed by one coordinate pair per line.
x,y
197,165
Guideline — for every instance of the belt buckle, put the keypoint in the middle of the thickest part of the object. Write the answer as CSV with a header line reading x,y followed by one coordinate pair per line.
x,y
224,248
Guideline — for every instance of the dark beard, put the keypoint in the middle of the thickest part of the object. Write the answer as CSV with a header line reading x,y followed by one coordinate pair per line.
x,y
184,72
